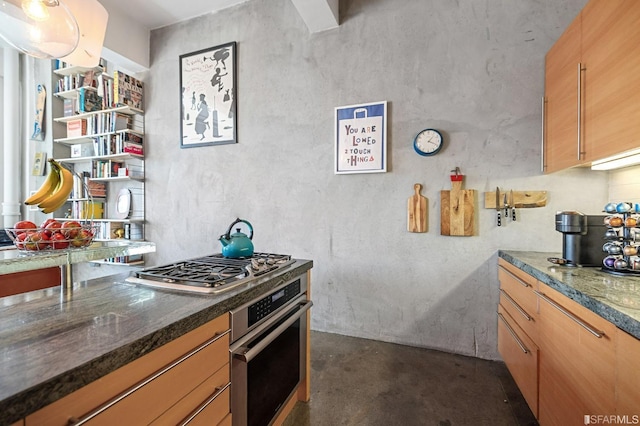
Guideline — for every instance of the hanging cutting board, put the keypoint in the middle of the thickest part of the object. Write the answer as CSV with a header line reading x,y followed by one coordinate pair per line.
x,y
457,209
417,213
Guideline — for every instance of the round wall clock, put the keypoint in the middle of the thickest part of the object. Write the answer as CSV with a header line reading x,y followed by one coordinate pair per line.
x,y
428,142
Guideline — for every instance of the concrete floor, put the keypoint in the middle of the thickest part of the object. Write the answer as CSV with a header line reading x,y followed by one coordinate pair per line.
x,y
366,382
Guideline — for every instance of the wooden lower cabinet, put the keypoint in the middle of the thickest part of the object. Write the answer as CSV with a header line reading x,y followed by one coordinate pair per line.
x,y
226,421
168,383
627,375
21,282
520,354
567,361
577,361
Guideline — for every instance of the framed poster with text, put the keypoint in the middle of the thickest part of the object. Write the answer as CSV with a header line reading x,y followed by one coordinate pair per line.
x,y
208,90
361,138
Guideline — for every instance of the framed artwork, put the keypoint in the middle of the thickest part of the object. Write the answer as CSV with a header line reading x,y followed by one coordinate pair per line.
x,y
361,138
208,90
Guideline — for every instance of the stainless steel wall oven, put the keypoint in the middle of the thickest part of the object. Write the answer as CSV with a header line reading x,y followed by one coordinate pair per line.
x,y
269,344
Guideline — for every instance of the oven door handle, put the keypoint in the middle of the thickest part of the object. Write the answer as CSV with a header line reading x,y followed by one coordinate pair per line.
x,y
246,354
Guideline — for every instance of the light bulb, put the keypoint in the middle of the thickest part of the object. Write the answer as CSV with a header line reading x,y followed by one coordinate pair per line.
x,y
54,37
35,9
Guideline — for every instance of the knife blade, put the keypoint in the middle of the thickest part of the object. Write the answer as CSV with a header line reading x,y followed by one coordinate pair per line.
x,y
498,205
513,206
506,207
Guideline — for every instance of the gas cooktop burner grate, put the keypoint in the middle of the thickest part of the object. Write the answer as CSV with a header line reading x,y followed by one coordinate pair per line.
x,y
214,271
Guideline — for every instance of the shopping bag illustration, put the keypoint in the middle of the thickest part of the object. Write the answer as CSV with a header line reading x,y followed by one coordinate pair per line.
x,y
360,142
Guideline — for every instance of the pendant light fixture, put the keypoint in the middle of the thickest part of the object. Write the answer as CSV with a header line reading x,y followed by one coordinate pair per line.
x,y
71,30
44,29
92,20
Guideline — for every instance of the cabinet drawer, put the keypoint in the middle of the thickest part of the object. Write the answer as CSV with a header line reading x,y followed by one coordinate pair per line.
x,y
520,355
226,421
215,386
214,412
578,361
524,278
142,406
518,298
628,374
99,392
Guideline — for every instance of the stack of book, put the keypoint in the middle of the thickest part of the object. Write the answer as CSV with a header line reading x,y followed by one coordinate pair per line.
x,y
127,91
106,168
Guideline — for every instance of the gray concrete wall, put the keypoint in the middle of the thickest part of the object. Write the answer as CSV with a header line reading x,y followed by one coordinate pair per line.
x,y
474,70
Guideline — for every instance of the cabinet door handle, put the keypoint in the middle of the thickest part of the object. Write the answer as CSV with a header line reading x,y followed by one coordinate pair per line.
x,y
513,334
599,334
580,69
543,156
524,284
205,404
113,401
515,305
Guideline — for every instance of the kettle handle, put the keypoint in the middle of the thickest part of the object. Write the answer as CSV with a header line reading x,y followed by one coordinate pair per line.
x,y
238,220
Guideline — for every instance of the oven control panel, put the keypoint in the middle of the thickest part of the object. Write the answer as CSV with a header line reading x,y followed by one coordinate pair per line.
x,y
268,304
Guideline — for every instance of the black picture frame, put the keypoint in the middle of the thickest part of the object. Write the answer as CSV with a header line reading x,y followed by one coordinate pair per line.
x,y
208,93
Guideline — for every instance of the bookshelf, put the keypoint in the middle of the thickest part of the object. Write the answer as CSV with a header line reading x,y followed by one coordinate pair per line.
x,y
103,142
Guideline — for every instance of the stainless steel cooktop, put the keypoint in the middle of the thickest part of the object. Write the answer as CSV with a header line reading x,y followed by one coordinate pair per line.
x,y
210,274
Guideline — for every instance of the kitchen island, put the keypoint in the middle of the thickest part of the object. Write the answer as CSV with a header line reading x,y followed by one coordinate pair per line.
x,y
615,298
54,342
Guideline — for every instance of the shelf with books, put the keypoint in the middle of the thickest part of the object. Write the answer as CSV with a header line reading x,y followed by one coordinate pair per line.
x,y
98,131
123,134
63,70
115,157
123,260
123,109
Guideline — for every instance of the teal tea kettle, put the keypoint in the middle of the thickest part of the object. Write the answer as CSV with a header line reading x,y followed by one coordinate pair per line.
x,y
237,244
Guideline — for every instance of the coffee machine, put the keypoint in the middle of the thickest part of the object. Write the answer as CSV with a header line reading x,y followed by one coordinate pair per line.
x,y
582,238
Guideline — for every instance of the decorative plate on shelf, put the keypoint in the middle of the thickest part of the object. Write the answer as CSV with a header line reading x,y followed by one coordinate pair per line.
x,y
123,204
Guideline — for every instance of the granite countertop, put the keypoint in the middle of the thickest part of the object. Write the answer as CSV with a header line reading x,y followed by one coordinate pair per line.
x,y
53,342
615,298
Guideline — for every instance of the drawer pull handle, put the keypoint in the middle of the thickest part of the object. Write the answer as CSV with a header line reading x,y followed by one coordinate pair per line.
x,y
580,152
599,334
194,413
515,305
524,284
543,156
513,334
113,401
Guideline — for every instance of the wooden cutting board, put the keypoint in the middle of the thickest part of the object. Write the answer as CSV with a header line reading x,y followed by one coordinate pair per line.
x,y
417,213
457,211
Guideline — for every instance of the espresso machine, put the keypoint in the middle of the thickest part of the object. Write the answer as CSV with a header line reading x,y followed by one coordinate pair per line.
x,y
582,238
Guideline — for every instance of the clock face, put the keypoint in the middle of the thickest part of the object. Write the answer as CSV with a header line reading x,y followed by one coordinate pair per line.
x,y
428,142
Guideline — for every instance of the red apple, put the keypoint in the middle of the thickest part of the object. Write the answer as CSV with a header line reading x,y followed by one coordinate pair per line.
x,y
53,227
70,229
59,241
36,241
83,239
24,225
47,222
20,240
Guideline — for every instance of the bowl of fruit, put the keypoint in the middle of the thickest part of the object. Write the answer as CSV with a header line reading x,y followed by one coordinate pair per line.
x,y
52,235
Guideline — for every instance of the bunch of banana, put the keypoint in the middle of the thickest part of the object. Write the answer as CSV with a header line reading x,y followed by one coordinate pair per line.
x,y
55,190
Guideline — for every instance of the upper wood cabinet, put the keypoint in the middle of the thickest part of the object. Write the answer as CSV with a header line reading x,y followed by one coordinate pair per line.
x,y
611,92
560,112
592,87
